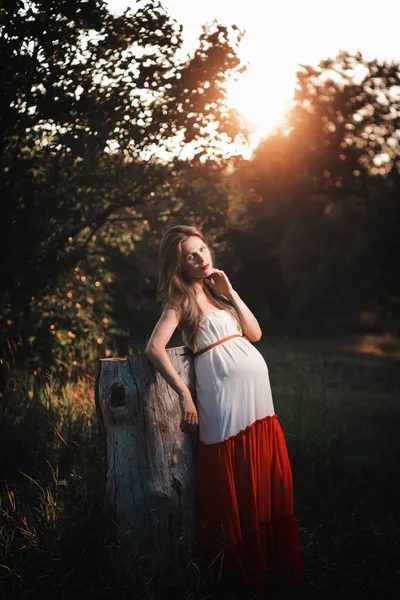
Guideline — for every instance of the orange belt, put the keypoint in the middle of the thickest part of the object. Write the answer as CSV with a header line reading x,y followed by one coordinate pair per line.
x,y
219,342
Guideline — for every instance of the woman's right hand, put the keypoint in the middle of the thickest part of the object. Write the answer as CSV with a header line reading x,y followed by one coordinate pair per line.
x,y
190,418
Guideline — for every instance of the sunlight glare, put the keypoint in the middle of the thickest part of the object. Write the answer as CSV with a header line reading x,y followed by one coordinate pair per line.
x,y
264,92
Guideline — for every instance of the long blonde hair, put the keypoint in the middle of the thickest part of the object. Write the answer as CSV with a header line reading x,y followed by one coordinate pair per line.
x,y
175,290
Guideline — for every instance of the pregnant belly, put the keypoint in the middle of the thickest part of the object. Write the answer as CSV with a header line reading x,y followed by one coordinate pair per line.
x,y
233,389
234,359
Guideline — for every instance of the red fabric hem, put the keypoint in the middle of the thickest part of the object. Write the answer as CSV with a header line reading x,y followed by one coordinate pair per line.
x,y
245,504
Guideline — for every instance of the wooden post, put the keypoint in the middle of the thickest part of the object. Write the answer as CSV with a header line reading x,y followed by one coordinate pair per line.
x,y
150,482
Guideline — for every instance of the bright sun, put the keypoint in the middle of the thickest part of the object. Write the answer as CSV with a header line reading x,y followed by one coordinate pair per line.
x,y
264,91
262,99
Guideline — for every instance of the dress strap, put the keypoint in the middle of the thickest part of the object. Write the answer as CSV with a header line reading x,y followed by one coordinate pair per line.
x,y
218,342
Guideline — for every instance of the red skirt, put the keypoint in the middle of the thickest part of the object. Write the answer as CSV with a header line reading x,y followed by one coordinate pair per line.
x,y
245,505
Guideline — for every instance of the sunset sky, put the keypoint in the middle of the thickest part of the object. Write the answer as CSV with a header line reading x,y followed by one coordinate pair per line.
x,y
280,36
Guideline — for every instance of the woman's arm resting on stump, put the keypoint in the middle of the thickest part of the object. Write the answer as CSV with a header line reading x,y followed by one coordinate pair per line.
x,y
157,354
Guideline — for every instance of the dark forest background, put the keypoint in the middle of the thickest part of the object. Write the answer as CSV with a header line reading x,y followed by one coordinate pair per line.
x,y
307,229
109,136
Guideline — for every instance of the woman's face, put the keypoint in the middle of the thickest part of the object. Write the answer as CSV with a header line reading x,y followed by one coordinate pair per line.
x,y
196,258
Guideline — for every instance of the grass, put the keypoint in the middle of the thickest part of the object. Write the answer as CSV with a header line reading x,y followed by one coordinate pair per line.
x,y
340,415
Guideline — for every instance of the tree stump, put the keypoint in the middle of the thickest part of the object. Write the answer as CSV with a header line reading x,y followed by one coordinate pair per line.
x,y
150,482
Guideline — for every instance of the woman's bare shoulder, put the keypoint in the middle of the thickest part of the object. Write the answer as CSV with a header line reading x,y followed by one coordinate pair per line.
x,y
172,307
164,328
172,312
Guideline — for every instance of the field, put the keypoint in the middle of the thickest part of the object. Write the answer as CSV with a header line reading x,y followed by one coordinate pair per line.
x,y
338,404
340,413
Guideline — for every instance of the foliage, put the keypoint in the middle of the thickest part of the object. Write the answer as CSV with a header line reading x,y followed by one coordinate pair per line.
x,y
51,484
94,108
321,200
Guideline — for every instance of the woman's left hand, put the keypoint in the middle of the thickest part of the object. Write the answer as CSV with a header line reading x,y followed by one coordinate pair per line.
x,y
218,281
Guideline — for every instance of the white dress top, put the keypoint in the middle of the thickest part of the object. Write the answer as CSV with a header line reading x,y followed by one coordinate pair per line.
x,y
232,380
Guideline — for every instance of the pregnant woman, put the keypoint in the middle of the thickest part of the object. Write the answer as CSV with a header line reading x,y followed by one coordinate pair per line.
x,y
244,503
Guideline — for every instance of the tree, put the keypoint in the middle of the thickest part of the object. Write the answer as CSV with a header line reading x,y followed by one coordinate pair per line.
x,y
324,195
92,103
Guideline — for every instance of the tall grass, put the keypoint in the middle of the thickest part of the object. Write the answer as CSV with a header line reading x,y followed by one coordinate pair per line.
x,y
340,416
50,494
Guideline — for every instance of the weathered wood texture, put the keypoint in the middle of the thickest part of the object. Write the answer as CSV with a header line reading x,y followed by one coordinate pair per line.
x,y
150,483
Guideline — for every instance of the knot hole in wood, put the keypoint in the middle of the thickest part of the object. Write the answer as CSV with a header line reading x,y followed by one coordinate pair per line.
x,y
118,395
